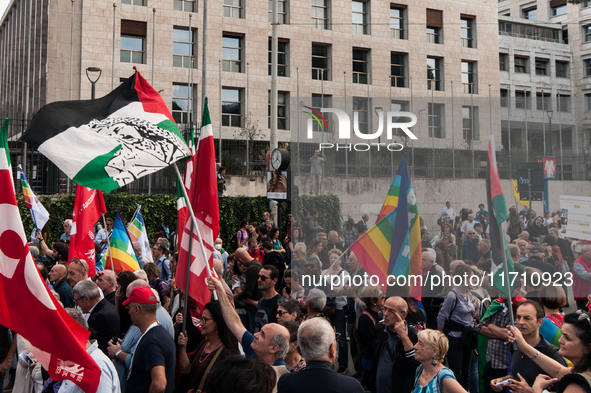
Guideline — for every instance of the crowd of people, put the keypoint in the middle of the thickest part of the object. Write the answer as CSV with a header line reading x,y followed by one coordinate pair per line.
x,y
275,326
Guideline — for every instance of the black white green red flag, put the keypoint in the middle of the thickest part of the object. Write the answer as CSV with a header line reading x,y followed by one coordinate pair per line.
x,y
498,213
109,142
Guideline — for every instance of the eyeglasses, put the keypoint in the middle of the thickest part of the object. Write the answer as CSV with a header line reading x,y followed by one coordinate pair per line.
x,y
78,261
583,315
205,319
263,278
281,312
76,300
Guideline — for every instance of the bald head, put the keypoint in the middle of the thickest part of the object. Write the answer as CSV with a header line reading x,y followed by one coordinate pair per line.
x,y
242,256
106,281
271,343
57,273
218,266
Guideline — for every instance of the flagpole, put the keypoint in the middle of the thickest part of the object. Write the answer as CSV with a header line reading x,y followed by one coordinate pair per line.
x,y
189,254
194,221
108,243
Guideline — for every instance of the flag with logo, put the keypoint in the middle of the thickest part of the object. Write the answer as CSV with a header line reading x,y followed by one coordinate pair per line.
x,y
497,214
109,142
121,250
517,195
26,306
138,234
200,183
39,214
89,205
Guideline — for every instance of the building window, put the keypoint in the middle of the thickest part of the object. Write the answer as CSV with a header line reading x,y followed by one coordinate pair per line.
x,y
587,67
587,33
470,123
399,106
543,101
397,22
320,14
558,7
469,77
587,102
232,53
585,4
562,69
529,12
133,42
567,142
504,98
181,103
435,112
320,62
434,26
434,73
282,110
281,12
503,66
522,100
233,9
185,5
183,47
563,103
361,105
282,56
361,66
398,69
541,66
231,107
319,101
360,17
521,65
134,2
467,24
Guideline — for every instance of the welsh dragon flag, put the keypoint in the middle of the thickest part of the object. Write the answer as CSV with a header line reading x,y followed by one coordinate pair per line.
x,y
109,142
26,306
201,185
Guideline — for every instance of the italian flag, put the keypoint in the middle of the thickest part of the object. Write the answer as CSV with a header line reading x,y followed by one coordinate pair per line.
x,y
109,142
498,213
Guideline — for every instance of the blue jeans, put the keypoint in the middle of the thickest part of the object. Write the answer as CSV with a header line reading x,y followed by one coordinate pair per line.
x,y
474,380
339,320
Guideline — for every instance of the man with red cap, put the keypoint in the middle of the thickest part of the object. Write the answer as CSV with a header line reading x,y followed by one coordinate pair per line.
x,y
152,367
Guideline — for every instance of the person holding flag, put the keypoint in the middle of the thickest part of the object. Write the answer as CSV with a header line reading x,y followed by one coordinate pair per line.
x,y
39,214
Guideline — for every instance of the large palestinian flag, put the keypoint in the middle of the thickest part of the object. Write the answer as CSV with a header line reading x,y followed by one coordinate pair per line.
x,y
109,142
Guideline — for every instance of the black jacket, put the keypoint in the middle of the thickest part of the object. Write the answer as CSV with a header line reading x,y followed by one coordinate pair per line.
x,y
103,323
405,365
273,258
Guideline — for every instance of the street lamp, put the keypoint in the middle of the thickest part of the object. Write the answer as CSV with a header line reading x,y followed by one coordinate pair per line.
x,y
93,71
549,112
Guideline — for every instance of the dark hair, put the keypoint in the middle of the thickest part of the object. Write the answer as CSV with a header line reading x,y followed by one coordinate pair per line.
x,y
151,269
291,306
236,268
267,245
243,223
262,230
295,274
537,306
62,251
272,232
221,169
43,270
224,332
292,327
423,231
583,332
240,375
312,246
444,254
124,279
361,228
274,272
350,224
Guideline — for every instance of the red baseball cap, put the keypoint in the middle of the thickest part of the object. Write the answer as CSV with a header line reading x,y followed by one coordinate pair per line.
x,y
141,295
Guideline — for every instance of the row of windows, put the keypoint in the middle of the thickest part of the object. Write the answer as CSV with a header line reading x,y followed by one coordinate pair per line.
x,y
530,11
542,65
522,100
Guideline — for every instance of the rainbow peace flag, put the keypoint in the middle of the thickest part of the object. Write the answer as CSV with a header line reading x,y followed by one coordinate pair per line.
x,y
393,245
38,212
391,201
121,249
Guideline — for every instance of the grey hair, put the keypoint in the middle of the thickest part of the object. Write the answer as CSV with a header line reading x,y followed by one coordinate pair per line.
x,y
164,242
431,254
315,336
514,249
87,288
290,305
486,242
585,248
137,246
553,230
141,274
34,251
332,233
68,221
300,247
320,234
283,343
317,299
78,317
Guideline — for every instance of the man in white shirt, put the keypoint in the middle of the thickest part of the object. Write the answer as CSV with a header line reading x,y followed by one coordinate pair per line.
x,y
467,225
448,210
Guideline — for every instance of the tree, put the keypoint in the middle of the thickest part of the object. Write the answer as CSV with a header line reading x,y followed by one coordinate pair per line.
x,y
251,132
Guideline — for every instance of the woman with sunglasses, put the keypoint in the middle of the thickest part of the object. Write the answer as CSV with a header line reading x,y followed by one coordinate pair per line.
x,y
575,345
219,344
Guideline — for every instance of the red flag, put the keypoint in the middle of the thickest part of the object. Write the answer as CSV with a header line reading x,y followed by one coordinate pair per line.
x,y
201,185
26,306
88,208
